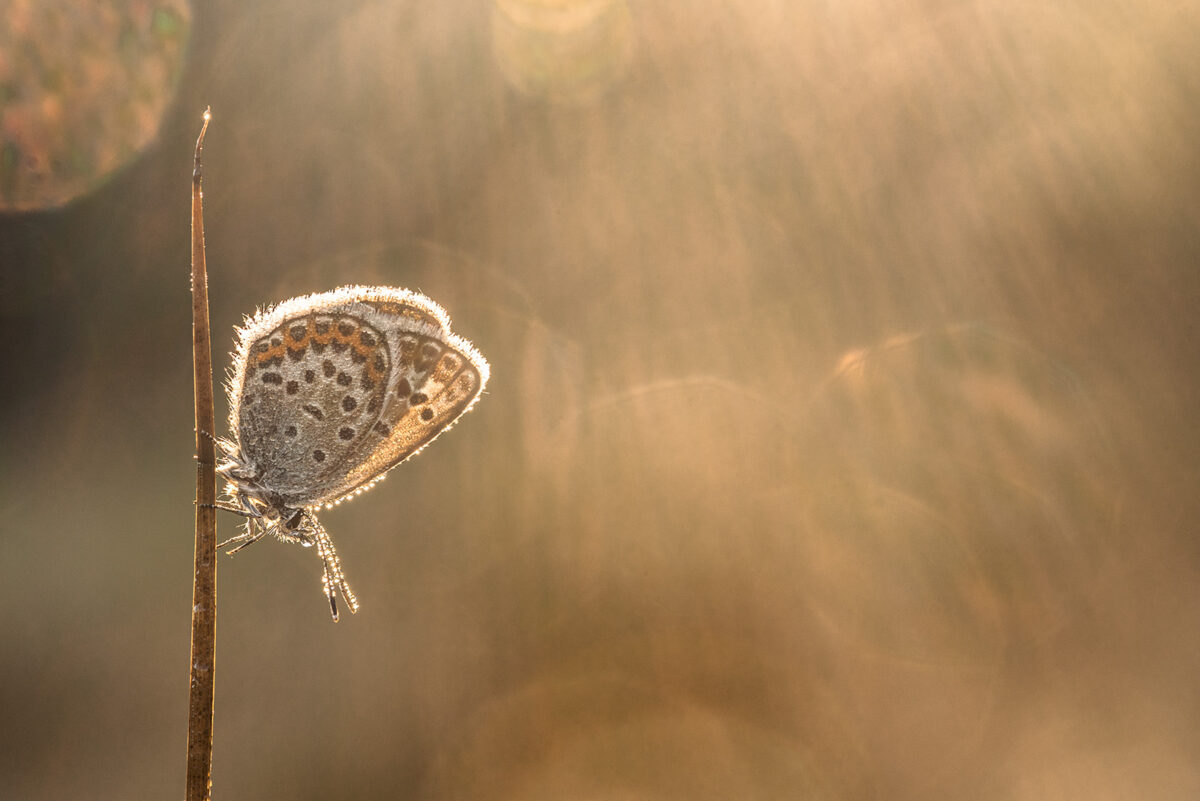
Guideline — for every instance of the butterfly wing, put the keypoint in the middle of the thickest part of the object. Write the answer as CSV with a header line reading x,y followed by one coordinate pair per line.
x,y
330,391
436,378
312,388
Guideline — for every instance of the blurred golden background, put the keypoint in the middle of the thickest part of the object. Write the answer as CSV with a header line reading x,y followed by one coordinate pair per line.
x,y
842,436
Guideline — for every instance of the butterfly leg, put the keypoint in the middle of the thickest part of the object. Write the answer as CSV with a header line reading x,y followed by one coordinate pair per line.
x,y
254,532
255,528
229,507
209,437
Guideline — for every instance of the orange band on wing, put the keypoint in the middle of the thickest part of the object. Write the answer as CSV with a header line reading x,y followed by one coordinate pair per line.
x,y
363,343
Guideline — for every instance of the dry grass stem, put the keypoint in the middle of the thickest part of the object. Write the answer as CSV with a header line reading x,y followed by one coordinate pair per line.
x,y
204,583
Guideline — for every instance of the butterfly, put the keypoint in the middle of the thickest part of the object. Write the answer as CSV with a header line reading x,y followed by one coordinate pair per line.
x,y
327,393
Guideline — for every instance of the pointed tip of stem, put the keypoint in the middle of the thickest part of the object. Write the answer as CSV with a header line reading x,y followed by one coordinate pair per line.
x,y
200,146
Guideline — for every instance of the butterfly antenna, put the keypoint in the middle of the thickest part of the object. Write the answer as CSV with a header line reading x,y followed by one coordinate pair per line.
x,y
333,580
